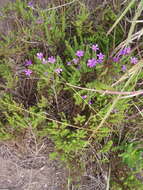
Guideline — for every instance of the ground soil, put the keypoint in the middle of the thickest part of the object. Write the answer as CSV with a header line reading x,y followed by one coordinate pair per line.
x,y
27,166
30,171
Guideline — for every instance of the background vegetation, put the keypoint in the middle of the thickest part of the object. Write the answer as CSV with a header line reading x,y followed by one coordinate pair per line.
x,y
74,74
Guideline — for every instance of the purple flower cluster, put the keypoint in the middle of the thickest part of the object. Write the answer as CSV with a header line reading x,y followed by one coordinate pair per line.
x,y
91,62
125,51
100,57
40,56
28,72
79,54
51,59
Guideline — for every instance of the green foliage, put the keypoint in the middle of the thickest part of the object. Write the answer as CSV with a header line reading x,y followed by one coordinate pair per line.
x,y
131,182
66,109
67,142
107,147
132,156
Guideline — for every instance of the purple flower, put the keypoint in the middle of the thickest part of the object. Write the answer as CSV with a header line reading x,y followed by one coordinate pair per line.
x,y
44,61
68,63
91,62
58,70
100,56
28,72
90,102
99,60
124,68
84,97
30,4
75,61
80,53
128,50
125,51
134,60
40,56
28,62
122,52
116,59
95,47
51,59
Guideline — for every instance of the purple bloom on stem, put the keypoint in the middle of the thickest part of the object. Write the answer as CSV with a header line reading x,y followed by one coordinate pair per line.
x,y
128,50
28,72
95,47
100,56
44,61
99,60
58,70
30,4
134,60
91,62
124,68
80,53
125,51
116,59
75,61
40,56
90,102
84,97
68,63
51,59
28,62
122,52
